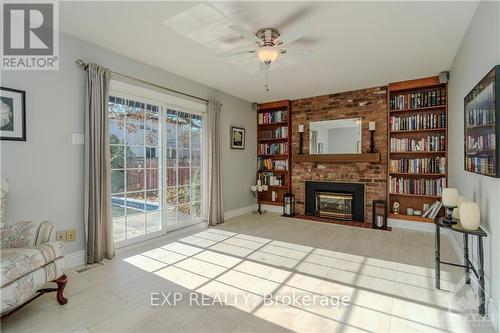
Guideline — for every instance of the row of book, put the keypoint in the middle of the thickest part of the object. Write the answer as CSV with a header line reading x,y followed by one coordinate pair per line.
x,y
270,179
486,141
273,117
429,143
418,100
477,117
418,165
483,165
418,122
273,148
420,186
279,133
433,210
271,164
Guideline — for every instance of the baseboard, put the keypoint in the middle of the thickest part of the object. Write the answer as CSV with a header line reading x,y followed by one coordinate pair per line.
x,y
411,225
74,259
273,209
239,211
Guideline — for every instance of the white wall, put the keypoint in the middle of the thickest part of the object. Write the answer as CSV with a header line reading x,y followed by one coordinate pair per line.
x,y
478,53
46,172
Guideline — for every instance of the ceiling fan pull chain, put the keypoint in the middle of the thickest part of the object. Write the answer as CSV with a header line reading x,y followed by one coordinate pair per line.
x,y
267,78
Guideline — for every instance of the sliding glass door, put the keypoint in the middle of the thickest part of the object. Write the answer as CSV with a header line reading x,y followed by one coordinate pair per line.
x,y
156,167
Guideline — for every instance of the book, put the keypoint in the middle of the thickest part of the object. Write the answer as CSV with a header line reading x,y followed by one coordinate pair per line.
x,y
430,209
435,210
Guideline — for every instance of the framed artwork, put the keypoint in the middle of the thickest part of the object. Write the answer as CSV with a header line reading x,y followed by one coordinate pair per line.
x,y
13,114
237,138
481,126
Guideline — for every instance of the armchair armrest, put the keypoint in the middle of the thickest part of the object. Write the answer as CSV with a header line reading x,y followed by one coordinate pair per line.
x,y
25,234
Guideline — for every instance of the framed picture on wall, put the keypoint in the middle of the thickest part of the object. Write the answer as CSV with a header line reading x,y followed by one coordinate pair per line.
x,y
237,138
481,126
13,114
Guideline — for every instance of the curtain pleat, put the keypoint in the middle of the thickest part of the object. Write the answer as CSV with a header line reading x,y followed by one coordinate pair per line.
x,y
97,197
215,205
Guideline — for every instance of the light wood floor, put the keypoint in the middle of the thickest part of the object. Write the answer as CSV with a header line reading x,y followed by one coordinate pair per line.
x,y
387,276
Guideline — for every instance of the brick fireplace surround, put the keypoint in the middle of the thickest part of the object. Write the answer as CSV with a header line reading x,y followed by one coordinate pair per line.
x,y
369,104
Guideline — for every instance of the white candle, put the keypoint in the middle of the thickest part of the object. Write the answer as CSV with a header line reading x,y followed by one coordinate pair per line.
x,y
301,128
371,126
259,182
265,187
253,188
259,188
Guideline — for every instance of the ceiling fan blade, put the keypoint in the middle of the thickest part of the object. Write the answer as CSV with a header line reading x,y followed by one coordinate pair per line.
x,y
299,53
245,33
237,53
293,34
297,16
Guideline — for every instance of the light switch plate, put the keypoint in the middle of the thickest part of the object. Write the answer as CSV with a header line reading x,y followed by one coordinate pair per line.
x,y
70,235
77,138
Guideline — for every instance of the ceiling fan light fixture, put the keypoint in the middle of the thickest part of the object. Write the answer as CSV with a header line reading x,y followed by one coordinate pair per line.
x,y
268,54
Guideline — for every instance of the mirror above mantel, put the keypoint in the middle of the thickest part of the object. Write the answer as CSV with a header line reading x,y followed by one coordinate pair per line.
x,y
337,141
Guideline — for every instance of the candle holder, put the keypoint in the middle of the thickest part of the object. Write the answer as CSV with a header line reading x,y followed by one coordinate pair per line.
x,y
301,143
372,142
448,215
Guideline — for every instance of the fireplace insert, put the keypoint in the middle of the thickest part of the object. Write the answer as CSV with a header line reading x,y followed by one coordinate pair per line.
x,y
334,205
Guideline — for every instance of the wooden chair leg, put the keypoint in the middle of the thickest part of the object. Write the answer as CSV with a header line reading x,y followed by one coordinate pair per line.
x,y
61,283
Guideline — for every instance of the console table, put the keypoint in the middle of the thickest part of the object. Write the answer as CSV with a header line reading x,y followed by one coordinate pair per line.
x,y
479,272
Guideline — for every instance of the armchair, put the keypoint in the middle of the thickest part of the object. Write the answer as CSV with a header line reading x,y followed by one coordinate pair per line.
x,y
28,261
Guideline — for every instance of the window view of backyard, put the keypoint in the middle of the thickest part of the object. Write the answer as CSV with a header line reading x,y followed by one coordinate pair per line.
x,y
145,195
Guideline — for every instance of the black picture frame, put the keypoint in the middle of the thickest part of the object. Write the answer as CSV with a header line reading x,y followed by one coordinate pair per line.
x,y
237,142
22,111
475,130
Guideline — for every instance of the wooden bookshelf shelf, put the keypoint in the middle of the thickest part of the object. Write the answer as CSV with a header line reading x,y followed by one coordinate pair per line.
x,y
410,218
278,111
430,97
420,130
428,108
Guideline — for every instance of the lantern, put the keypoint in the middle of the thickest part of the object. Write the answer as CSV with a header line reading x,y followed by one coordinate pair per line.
x,y
289,204
379,214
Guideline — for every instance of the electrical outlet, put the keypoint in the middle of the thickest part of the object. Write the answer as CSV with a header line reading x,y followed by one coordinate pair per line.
x,y
61,236
70,235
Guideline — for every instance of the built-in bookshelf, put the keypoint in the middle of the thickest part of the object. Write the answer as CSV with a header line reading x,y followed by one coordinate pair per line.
x,y
417,145
482,134
273,151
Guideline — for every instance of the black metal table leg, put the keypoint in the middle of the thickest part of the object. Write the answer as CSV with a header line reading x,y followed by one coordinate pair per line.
x,y
259,210
482,295
466,258
437,257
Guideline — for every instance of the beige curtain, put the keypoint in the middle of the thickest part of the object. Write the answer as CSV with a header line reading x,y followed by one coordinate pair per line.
x,y
215,205
97,202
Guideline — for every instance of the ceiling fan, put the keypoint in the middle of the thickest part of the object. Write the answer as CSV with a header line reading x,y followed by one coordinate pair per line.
x,y
269,44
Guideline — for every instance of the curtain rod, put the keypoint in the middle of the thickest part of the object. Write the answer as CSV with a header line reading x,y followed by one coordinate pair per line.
x,y
84,65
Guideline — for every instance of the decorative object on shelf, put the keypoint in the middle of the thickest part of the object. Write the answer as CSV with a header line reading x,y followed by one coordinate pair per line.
x,y
395,207
409,211
417,212
301,139
449,199
12,114
481,125
289,205
456,211
256,189
237,138
470,215
379,214
371,128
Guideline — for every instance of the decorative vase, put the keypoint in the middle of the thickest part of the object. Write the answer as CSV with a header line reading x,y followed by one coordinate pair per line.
x,y
469,215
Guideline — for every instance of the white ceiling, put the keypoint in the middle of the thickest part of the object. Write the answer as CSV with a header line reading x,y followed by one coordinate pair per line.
x,y
355,44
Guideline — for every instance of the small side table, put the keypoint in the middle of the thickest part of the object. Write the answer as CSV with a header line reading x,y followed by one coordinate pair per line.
x,y
479,272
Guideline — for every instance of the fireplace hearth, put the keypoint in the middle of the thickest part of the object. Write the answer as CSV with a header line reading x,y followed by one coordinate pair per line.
x,y
335,200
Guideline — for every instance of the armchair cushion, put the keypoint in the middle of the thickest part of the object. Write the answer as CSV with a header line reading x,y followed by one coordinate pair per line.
x,y
24,234
17,262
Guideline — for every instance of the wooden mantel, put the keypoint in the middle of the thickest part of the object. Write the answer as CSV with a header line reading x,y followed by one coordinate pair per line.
x,y
337,158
